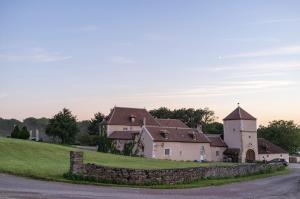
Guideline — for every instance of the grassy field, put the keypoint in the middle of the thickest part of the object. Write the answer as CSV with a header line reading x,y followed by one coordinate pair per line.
x,y
50,161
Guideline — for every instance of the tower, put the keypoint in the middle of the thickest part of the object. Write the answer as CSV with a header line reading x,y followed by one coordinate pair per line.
x,y
240,134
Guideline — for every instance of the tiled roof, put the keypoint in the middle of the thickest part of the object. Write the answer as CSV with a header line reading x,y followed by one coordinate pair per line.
x,y
171,123
123,115
267,147
123,135
239,114
162,134
216,141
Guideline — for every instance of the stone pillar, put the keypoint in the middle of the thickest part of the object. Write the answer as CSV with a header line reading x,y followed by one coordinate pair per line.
x,y
76,162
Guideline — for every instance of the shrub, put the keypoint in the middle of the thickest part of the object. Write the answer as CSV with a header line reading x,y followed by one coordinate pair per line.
x,y
20,133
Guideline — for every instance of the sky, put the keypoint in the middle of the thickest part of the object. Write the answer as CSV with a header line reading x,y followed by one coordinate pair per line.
x,y
90,56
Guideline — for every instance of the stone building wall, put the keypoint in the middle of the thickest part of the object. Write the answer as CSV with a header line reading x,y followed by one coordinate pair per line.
x,y
160,176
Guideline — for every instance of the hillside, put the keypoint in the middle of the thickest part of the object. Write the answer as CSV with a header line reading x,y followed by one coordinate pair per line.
x,y
50,161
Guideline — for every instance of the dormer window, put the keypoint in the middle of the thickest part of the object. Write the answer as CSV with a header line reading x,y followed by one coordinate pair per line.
x,y
193,135
164,134
132,118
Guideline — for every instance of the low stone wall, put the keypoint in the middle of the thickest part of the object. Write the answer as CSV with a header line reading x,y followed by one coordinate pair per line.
x,y
160,176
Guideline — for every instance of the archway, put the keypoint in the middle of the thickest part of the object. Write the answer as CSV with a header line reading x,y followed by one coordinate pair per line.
x,y
250,156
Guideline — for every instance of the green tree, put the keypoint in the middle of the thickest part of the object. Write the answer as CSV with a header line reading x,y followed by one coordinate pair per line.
x,y
16,132
24,133
20,133
162,112
63,126
105,144
285,134
94,123
213,128
191,117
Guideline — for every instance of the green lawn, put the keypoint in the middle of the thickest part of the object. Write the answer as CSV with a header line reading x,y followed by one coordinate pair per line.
x,y
50,161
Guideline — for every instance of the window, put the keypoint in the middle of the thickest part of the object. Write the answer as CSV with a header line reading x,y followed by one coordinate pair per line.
x,y
267,156
217,153
180,153
125,129
280,155
249,136
167,151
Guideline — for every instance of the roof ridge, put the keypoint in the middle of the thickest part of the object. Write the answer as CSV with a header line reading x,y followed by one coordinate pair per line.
x,y
130,107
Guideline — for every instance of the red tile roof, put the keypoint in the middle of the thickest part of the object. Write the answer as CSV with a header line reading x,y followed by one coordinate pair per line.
x,y
267,147
171,123
161,134
216,141
123,115
123,135
239,114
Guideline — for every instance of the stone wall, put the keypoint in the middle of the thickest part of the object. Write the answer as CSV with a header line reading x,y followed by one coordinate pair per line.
x,y
160,176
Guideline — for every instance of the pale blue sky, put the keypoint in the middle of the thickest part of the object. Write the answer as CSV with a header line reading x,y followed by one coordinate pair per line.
x,y
91,55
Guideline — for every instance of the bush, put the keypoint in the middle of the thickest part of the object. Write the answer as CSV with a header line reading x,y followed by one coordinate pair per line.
x,y
20,133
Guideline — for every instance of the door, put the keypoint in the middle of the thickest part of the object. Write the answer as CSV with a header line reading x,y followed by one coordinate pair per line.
x,y
250,156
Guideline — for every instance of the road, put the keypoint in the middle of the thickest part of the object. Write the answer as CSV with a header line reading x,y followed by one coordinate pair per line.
x,y
277,187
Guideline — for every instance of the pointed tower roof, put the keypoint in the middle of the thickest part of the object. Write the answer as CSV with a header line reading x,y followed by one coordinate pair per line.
x,y
239,114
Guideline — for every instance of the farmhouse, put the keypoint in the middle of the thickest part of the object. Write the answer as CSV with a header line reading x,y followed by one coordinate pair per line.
x,y
174,140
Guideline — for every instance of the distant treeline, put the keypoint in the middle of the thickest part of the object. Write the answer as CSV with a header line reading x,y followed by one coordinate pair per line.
x,y
33,124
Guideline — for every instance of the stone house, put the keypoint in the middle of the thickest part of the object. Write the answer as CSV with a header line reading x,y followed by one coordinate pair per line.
x,y
172,139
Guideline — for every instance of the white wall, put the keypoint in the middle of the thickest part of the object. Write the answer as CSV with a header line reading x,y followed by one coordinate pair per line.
x,y
147,142
249,141
219,158
181,151
269,157
232,133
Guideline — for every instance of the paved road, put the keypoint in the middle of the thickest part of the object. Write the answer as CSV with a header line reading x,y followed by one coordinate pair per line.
x,y
276,187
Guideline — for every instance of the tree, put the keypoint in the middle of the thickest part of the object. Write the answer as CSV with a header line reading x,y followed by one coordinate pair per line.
x,y
94,124
20,133
15,133
105,144
191,117
63,126
24,133
162,112
285,134
213,128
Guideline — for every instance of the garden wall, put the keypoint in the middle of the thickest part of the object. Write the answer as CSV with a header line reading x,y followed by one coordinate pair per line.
x,y
160,176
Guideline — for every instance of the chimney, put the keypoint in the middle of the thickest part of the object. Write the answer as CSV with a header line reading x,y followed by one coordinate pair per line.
x,y
199,128
144,121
